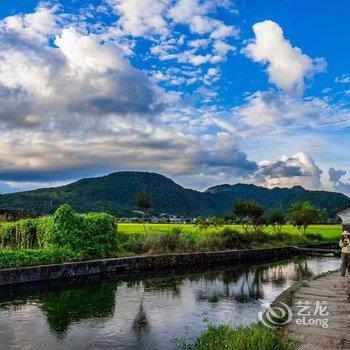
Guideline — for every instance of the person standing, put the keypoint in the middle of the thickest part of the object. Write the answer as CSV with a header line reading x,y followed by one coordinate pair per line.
x,y
344,244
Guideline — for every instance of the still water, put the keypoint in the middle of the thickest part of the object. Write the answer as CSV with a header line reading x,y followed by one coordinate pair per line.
x,y
144,312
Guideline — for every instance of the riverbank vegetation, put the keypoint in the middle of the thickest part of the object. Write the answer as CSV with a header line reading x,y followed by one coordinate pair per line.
x,y
68,236
223,337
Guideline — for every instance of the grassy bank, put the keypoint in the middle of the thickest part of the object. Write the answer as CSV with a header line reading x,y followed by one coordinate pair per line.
x,y
129,244
68,236
10,258
177,240
255,337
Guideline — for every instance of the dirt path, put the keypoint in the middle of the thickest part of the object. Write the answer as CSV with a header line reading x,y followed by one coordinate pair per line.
x,y
324,300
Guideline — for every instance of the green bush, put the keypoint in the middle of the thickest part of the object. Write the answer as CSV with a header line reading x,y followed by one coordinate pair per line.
x,y
242,338
164,242
46,231
68,228
100,235
314,237
132,242
92,235
27,233
8,235
236,239
10,258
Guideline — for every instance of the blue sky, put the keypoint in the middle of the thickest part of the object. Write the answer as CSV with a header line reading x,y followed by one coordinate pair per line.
x,y
203,91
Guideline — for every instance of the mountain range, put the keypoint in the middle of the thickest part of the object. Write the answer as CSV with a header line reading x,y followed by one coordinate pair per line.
x,y
115,193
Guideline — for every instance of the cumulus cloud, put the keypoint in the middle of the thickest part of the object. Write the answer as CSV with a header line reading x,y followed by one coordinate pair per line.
x,y
297,170
267,109
194,14
343,79
335,179
73,105
287,66
209,34
138,18
77,75
225,156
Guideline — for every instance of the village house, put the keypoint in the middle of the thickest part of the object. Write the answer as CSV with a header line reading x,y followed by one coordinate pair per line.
x,y
344,214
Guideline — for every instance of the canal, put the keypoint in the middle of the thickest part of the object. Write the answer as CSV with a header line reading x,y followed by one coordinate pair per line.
x,y
144,311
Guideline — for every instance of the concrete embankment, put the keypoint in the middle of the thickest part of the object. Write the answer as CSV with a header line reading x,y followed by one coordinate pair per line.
x,y
144,262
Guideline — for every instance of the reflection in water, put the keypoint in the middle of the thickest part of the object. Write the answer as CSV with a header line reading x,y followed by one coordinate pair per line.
x,y
141,323
144,312
63,308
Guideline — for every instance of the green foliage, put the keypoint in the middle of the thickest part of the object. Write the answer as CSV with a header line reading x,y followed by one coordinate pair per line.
x,y
213,222
68,228
10,258
46,231
303,214
115,194
93,235
143,200
100,235
202,223
314,236
250,215
179,240
27,233
65,307
242,338
276,219
144,203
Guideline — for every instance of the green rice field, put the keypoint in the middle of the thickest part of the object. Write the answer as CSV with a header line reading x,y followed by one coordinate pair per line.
x,y
329,232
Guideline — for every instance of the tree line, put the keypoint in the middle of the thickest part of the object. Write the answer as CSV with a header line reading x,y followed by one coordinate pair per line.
x,y
251,215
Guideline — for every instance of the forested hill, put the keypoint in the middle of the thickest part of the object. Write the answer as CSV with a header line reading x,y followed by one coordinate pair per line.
x,y
115,193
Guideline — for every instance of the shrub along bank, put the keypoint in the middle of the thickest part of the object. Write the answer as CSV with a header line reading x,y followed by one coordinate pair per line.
x,y
257,337
225,238
67,236
10,258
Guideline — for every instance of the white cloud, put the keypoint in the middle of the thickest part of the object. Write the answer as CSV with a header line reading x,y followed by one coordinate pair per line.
x,y
80,74
297,170
222,48
336,181
343,79
223,31
37,25
73,81
199,43
287,66
281,111
101,113
139,18
194,14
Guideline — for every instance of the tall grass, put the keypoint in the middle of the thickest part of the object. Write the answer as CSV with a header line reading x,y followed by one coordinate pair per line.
x,y
178,241
255,337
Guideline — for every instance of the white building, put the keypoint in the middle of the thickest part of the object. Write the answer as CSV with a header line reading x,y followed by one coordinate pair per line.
x,y
344,214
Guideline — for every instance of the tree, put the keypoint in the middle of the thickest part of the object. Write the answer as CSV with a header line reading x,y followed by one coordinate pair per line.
x,y
303,214
144,203
211,222
276,219
250,215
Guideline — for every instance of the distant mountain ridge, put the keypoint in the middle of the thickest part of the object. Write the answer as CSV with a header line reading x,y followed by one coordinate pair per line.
x,y
115,193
